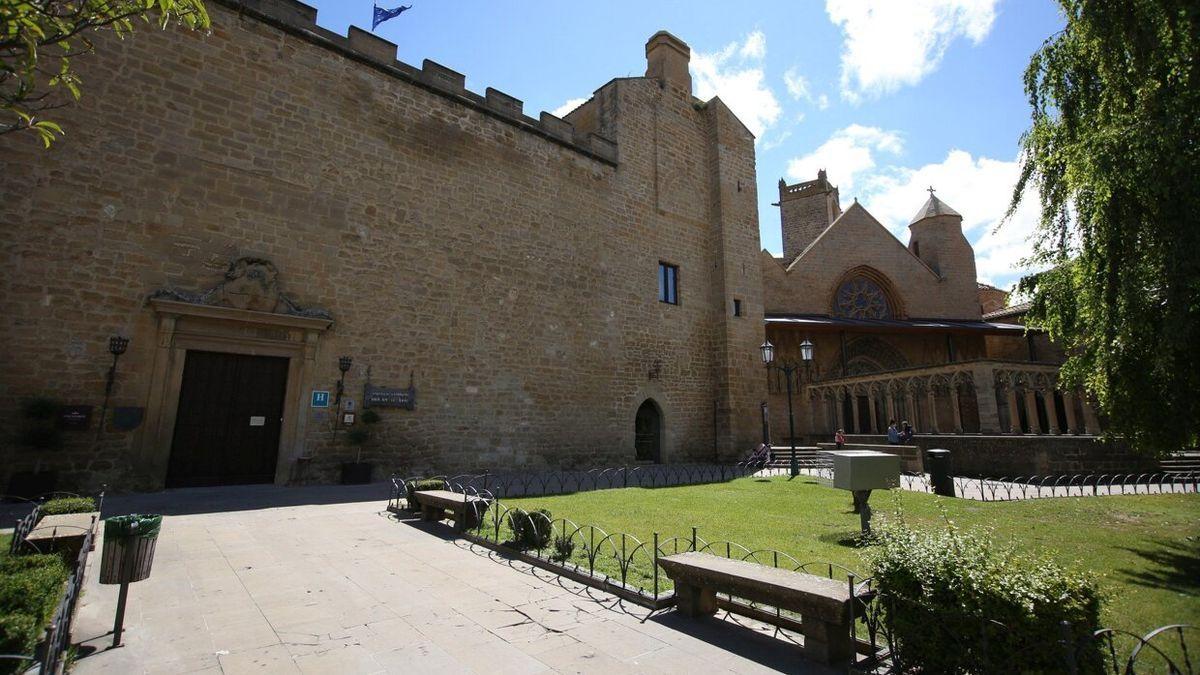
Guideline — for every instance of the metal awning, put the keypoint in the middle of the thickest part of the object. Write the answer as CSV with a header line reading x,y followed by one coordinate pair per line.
x,y
824,322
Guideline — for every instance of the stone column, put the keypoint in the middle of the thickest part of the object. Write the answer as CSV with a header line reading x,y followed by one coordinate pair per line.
x,y
933,420
1069,406
1031,411
1014,415
1051,411
840,411
889,402
873,427
1091,423
983,377
856,417
956,407
910,404
825,403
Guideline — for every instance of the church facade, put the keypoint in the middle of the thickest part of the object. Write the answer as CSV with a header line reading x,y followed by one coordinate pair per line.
x,y
902,332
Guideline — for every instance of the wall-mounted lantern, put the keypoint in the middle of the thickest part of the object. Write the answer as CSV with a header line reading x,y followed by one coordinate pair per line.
x,y
117,345
344,364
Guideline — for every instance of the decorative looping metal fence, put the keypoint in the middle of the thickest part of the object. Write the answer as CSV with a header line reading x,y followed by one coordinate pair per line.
x,y
627,566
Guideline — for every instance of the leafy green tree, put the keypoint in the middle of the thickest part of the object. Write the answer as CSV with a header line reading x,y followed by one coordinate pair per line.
x,y
1113,150
39,39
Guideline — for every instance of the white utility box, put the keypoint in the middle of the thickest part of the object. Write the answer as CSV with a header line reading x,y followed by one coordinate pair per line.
x,y
864,469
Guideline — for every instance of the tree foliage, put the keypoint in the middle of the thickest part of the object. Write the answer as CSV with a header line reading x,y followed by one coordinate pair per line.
x,y
1113,150
39,39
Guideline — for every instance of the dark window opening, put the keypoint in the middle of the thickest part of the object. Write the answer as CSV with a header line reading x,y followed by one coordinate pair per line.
x,y
737,307
668,283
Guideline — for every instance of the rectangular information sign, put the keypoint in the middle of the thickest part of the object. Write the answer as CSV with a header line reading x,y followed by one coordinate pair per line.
x,y
384,397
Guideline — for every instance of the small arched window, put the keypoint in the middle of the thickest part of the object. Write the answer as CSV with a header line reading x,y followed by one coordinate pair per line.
x,y
861,298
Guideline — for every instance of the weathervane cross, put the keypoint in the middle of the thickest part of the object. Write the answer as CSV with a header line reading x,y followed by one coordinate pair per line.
x,y
930,190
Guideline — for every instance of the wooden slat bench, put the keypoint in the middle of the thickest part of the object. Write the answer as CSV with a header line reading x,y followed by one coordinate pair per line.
x,y
823,604
465,509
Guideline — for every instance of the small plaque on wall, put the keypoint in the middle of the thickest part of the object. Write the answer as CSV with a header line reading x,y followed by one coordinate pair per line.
x,y
74,417
384,397
127,418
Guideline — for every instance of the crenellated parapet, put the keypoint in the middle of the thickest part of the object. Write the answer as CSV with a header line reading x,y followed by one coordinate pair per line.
x,y
299,19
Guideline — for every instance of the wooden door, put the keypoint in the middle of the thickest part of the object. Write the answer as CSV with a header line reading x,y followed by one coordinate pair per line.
x,y
229,420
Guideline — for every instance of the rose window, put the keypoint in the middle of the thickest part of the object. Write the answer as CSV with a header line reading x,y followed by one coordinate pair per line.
x,y
861,298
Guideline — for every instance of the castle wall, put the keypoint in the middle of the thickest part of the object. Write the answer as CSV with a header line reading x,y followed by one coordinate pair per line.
x,y
509,264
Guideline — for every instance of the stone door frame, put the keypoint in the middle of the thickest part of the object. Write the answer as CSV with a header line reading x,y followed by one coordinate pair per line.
x,y
185,326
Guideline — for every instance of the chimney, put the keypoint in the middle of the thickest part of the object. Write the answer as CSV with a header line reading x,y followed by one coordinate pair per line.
x,y
667,60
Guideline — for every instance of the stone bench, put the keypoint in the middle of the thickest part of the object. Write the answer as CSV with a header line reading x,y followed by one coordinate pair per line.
x,y
467,510
62,533
824,605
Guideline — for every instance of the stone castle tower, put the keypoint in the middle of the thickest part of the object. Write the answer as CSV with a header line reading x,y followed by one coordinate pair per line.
x,y
532,333
806,209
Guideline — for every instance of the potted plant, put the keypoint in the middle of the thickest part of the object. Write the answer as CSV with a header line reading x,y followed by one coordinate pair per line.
x,y
39,432
358,471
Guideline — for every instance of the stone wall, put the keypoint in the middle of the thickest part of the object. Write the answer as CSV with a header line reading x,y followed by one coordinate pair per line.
x,y
508,264
1014,456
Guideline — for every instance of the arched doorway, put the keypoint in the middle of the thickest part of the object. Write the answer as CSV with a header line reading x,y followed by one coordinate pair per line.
x,y
647,433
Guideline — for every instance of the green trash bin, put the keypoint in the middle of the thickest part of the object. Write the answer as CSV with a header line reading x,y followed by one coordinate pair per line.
x,y
128,547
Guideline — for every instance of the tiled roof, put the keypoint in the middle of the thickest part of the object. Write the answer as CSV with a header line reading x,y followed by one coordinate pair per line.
x,y
1014,310
934,207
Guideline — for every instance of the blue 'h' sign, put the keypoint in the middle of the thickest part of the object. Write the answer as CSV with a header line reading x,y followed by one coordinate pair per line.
x,y
320,399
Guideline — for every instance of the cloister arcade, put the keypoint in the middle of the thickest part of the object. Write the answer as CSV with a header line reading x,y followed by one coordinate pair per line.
x,y
973,397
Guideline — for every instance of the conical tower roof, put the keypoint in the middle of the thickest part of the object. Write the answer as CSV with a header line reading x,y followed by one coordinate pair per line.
x,y
934,207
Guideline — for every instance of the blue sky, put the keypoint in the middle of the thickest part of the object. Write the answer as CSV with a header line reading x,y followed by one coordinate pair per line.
x,y
890,96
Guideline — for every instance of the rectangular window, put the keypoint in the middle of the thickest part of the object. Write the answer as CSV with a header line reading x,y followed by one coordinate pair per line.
x,y
668,283
737,307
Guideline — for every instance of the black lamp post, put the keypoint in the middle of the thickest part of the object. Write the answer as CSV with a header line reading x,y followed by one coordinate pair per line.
x,y
344,364
117,345
789,371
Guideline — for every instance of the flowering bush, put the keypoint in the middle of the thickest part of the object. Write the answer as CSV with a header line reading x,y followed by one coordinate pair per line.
x,y
958,602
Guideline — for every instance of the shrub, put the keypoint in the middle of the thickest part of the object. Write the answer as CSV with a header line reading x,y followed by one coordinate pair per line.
x,y
63,505
30,587
564,548
422,484
531,529
957,602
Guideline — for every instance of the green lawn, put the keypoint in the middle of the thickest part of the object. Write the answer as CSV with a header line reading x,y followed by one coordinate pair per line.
x,y
1146,549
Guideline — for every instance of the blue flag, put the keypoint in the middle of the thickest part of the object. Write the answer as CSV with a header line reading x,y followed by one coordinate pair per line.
x,y
382,14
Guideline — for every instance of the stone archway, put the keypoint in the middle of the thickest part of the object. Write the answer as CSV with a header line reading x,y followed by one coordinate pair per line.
x,y
648,432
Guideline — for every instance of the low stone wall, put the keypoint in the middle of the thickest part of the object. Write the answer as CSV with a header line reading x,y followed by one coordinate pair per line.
x,y
1011,456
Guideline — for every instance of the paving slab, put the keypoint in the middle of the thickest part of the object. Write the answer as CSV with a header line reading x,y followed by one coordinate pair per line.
x,y
322,580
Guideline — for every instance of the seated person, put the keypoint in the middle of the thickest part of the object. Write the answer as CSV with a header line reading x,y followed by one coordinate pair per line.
x,y
893,433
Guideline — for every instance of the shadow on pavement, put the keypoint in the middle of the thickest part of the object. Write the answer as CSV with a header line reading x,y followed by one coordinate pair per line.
x,y
187,501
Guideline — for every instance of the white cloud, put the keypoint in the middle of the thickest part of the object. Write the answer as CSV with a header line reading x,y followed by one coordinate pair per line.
x,y
755,46
773,143
567,107
797,85
822,102
977,187
736,75
848,153
890,44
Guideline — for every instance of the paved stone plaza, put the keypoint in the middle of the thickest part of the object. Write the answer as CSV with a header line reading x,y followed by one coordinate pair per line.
x,y
276,580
